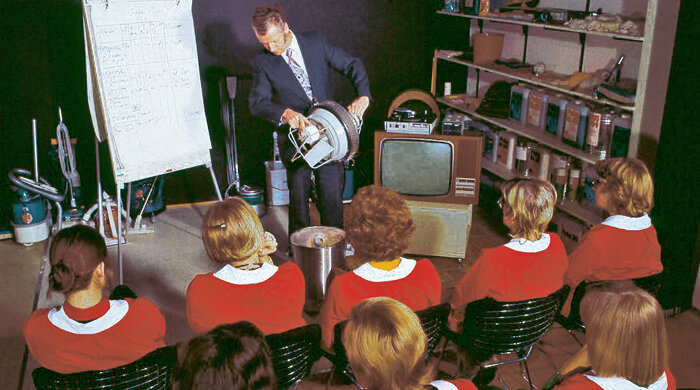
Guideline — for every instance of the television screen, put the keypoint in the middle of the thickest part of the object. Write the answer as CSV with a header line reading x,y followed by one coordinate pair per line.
x,y
417,167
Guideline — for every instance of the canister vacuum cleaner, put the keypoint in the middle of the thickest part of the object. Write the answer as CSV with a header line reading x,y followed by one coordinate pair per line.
x,y
32,220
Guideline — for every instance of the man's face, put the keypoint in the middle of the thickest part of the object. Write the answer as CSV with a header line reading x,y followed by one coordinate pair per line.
x,y
276,39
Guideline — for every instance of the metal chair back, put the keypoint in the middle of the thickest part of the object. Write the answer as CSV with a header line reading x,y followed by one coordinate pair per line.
x,y
433,321
651,284
293,353
152,372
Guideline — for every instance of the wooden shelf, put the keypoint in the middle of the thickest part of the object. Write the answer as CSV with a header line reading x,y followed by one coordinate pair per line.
x,y
545,26
497,169
574,209
518,128
529,78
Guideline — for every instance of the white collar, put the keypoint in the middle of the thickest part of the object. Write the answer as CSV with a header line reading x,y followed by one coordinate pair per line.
x,y
522,245
117,310
443,385
371,274
628,223
234,275
615,383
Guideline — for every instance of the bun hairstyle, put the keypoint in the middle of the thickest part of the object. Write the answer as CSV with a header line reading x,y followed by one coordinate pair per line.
x,y
231,231
74,254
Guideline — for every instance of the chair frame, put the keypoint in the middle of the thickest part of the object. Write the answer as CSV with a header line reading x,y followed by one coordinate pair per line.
x,y
516,326
651,284
159,361
294,352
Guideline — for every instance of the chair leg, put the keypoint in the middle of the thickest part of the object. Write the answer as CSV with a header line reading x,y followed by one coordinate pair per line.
x,y
503,383
571,332
527,372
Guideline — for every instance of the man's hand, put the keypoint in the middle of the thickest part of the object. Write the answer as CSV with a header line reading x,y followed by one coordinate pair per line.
x,y
359,105
295,120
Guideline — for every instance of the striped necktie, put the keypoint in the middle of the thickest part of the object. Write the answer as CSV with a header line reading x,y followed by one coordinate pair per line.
x,y
300,73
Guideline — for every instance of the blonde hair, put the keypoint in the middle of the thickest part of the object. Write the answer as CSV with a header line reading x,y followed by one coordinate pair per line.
x,y
386,345
625,332
628,184
231,231
531,201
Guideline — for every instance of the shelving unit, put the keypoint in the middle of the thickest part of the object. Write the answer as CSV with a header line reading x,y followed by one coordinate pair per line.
x,y
653,51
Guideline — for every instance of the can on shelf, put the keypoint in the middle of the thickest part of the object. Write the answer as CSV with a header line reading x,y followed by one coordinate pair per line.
x,y
575,123
554,115
518,102
506,149
536,109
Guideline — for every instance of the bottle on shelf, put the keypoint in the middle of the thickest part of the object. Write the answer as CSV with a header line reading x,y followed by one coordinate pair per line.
x,y
554,115
506,149
536,108
539,162
599,126
560,182
518,102
522,157
620,140
590,175
575,123
573,184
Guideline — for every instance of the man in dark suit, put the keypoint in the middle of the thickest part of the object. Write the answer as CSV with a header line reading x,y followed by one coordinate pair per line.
x,y
289,76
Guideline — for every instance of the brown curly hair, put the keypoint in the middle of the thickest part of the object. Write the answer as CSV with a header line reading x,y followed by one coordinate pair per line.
x,y
380,225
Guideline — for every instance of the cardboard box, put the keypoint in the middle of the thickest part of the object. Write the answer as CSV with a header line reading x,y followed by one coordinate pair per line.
x,y
276,179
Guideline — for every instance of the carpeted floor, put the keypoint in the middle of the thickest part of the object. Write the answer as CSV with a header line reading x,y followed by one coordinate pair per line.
x,y
160,266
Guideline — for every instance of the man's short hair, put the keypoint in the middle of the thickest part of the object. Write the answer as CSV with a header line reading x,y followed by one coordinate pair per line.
x,y
532,202
379,224
232,356
628,185
625,332
267,15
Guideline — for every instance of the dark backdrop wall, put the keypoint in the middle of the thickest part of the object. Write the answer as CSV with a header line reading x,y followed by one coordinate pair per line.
x,y
44,66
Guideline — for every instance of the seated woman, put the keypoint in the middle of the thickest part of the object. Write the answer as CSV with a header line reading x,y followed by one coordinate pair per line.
x,y
623,246
228,357
626,345
249,287
89,331
379,228
386,348
531,265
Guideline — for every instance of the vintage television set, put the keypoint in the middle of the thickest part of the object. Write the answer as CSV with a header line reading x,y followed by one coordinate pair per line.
x,y
439,177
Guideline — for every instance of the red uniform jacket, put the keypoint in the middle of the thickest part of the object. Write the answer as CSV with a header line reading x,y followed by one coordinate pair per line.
x,y
118,332
619,248
270,297
414,283
515,271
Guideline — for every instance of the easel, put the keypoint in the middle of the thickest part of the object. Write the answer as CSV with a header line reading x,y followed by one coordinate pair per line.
x,y
119,187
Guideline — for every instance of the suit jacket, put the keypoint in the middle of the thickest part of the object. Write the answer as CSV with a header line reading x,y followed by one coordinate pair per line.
x,y
275,88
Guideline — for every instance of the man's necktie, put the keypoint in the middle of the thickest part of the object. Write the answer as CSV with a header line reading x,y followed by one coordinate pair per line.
x,y
300,73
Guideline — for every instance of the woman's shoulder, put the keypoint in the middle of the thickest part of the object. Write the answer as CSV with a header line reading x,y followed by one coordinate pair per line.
x,y
578,381
452,384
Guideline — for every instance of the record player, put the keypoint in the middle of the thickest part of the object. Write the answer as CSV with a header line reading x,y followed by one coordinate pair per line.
x,y
412,112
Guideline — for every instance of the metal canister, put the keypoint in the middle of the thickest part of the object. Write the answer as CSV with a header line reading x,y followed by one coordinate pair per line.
x,y
254,196
518,103
522,157
554,115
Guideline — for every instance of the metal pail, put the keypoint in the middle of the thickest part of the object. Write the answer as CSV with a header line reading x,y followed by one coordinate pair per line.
x,y
317,249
